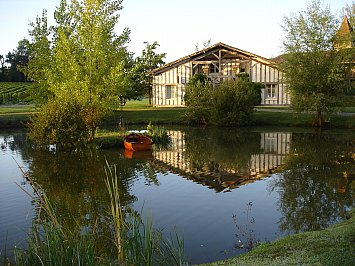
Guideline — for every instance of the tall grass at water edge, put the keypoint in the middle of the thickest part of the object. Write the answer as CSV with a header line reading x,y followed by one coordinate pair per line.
x,y
135,242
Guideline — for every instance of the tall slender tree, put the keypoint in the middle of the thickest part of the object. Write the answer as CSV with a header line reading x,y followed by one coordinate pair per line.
x,y
314,70
80,58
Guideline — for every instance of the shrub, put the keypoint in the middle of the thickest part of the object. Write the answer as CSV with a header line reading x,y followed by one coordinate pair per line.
x,y
233,103
61,123
228,104
198,99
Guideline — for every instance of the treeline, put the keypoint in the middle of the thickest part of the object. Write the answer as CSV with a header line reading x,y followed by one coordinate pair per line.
x,y
12,63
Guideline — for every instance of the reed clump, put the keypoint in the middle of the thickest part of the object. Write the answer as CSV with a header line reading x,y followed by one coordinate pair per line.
x,y
135,242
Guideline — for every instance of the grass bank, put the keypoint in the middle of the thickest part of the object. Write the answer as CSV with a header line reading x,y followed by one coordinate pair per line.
x,y
169,115
332,246
140,112
287,119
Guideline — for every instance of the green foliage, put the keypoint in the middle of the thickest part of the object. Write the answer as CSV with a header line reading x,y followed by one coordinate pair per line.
x,y
198,99
158,134
61,123
199,78
54,242
229,104
350,13
80,57
140,80
56,249
18,59
233,103
315,72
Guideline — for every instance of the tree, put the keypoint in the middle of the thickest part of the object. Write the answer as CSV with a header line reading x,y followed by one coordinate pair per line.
x,y
205,44
3,68
315,72
149,60
350,13
18,59
84,60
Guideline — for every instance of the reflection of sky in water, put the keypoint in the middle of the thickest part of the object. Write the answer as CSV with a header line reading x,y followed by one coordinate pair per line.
x,y
16,210
205,217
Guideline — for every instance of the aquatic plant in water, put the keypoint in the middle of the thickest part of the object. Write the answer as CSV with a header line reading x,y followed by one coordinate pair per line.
x,y
135,242
158,134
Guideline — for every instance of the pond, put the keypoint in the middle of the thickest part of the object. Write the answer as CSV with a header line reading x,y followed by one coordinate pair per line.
x,y
224,190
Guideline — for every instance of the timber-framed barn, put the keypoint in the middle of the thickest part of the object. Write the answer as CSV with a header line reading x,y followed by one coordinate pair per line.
x,y
219,62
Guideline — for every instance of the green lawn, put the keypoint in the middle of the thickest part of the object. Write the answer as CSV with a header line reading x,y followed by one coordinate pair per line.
x,y
349,109
169,115
273,107
332,246
137,104
140,112
16,109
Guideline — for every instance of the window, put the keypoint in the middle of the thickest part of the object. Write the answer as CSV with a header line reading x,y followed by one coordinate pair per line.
x,y
184,80
213,68
170,91
270,90
242,67
270,145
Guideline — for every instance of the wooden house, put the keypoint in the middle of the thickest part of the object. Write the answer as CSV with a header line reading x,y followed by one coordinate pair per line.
x,y
219,62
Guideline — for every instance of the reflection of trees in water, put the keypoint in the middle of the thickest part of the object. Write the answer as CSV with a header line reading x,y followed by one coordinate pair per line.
x,y
221,149
315,184
13,141
75,185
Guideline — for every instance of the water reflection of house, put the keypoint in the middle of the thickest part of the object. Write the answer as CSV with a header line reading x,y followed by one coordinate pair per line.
x,y
273,146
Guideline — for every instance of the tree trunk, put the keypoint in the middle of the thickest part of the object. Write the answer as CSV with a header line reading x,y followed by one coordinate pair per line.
x,y
92,132
319,118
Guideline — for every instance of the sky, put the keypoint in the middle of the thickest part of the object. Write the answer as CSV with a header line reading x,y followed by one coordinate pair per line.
x,y
253,25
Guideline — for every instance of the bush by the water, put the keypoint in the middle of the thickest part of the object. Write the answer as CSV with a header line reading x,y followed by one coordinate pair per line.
x,y
60,123
228,104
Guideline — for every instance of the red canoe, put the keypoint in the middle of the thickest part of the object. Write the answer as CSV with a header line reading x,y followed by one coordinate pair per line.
x,y
137,142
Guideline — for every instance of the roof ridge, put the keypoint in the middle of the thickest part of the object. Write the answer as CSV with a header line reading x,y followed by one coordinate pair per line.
x,y
170,64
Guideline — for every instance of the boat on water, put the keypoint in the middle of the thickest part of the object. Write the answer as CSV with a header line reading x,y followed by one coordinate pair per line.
x,y
145,155
137,142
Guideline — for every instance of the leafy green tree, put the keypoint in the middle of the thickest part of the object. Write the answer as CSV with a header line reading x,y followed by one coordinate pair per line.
x,y
349,10
315,72
17,59
149,60
84,60
39,64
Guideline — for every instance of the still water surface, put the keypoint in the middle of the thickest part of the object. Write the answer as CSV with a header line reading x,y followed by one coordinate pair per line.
x,y
220,188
